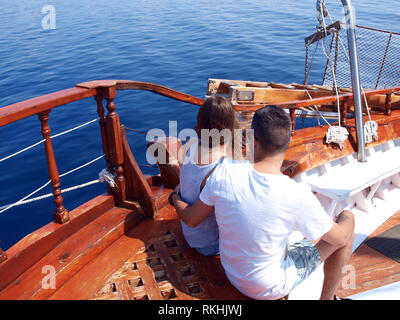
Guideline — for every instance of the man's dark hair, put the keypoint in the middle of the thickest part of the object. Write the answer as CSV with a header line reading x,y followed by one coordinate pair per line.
x,y
272,129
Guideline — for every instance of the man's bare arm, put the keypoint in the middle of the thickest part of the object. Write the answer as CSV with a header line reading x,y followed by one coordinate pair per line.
x,y
342,230
191,215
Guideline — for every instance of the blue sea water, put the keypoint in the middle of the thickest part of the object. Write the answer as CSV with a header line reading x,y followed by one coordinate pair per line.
x,y
178,43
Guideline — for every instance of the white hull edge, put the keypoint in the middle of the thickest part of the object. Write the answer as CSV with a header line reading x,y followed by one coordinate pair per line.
x,y
370,190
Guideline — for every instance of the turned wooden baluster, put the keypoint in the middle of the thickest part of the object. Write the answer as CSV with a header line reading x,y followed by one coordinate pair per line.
x,y
292,113
114,144
388,104
344,105
3,256
61,214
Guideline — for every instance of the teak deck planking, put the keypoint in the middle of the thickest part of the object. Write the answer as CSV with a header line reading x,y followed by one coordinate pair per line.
x,y
373,269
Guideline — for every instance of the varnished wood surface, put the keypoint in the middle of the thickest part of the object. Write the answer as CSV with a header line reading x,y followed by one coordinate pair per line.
x,y
61,214
140,85
309,150
72,254
99,239
373,269
24,109
151,261
137,187
3,256
34,246
21,110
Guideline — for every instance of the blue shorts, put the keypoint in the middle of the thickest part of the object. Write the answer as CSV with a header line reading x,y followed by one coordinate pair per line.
x,y
209,251
306,258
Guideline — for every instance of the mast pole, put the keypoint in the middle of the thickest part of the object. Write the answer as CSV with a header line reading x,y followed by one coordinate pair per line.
x,y
355,77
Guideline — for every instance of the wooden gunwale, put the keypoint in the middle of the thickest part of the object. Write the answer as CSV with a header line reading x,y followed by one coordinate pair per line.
x,y
33,246
27,108
24,109
316,101
308,149
170,93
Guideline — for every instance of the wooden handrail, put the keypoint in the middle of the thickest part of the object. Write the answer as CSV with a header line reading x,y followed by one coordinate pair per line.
x,y
24,109
110,125
146,86
177,95
3,256
27,108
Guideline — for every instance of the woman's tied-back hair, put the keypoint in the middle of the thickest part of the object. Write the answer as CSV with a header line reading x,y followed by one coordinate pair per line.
x,y
217,115
272,129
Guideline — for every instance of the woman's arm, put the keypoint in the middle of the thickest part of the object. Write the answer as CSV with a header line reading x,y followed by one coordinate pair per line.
x,y
191,215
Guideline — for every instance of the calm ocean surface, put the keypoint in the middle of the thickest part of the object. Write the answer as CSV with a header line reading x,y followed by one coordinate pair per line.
x,y
178,43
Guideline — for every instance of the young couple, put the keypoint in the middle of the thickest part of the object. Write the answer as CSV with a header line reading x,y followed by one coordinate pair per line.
x,y
247,209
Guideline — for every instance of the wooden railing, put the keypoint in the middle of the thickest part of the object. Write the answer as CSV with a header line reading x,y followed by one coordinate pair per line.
x,y
3,256
42,106
110,127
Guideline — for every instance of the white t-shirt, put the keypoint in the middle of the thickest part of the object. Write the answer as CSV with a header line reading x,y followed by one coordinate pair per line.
x,y
255,213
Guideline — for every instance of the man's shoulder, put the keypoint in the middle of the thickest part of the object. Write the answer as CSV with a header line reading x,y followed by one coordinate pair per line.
x,y
302,187
228,165
229,168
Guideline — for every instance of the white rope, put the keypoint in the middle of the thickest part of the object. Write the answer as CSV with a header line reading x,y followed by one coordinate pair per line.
x,y
106,176
21,202
23,150
335,134
52,137
340,39
348,60
82,166
26,200
370,131
333,77
370,127
316,109
75,128
6,207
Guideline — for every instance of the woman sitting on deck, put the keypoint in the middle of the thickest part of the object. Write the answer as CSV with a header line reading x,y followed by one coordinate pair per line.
x,y
257,208
216,115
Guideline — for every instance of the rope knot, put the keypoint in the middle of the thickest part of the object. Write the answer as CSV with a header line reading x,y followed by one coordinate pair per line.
x,y
106,176
336,134
370,131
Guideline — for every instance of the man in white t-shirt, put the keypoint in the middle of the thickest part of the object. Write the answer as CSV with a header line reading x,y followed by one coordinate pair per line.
x,y
257,207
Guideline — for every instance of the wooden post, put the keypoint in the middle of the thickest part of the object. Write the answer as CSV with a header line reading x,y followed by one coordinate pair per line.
x,y
61,214
388,104
292,113
102,122
114,144
343,111
3,256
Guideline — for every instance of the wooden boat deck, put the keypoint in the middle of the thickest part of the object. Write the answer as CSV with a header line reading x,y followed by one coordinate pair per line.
x,y
110,259
106,249
151,261
373,269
